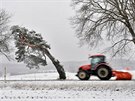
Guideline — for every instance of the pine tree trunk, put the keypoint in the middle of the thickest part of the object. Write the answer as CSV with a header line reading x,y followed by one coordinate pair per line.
x,y
57,64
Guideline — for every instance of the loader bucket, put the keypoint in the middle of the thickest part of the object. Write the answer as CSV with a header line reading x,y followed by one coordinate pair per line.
x,y
122,75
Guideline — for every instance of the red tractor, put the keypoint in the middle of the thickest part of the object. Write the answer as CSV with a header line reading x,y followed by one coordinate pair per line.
x,y
98,67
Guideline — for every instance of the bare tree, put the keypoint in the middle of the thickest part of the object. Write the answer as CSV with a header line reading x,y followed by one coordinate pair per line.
x,y
32,49
4,35
110,19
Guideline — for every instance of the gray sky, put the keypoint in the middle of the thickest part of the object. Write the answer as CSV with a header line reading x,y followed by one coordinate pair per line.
x,y
51,19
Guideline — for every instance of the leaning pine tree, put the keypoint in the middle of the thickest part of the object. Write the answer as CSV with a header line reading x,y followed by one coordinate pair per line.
x,y
32,49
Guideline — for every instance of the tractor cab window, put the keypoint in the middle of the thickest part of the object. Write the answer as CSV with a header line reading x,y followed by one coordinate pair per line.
x,y
97,60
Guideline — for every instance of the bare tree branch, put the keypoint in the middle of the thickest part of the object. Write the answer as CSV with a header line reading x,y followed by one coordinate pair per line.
x,y
4,35
113,19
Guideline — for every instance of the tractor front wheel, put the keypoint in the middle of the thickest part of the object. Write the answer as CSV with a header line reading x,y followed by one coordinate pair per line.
x,y
104,73
83,75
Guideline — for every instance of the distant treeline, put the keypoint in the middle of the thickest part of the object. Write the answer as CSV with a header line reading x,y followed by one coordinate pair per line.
x,y
70,66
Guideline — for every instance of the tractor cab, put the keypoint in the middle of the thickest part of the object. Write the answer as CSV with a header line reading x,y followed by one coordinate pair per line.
x,y
96,60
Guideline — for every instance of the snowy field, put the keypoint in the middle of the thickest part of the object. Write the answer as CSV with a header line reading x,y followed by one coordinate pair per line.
x,y
71,89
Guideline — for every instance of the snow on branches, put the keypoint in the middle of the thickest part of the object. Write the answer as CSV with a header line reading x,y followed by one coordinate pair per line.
x,y
30,47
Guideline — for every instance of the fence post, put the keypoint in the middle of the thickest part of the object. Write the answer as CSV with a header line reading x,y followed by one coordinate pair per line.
x,y
5,74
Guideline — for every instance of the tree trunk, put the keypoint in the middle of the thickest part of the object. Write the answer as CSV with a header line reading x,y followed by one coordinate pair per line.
x,y
130,30
57,64
132,33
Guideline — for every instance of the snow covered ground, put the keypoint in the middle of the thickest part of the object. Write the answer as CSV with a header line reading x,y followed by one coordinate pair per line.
x,y
71,89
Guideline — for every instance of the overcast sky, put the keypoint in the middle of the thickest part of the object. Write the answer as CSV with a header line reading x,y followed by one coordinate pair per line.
x,y
51,19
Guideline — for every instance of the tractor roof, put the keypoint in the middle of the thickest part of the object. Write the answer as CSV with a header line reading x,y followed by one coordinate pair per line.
x,y
97,55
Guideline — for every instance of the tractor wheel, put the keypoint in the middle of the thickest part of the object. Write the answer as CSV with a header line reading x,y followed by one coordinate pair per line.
x,y
104,72
83,75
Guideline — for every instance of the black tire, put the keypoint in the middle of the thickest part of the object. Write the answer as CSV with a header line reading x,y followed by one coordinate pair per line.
x,y
83,75
104,72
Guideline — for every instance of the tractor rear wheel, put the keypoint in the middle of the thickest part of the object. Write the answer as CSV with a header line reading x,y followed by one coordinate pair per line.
x,y
83,75
104,72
